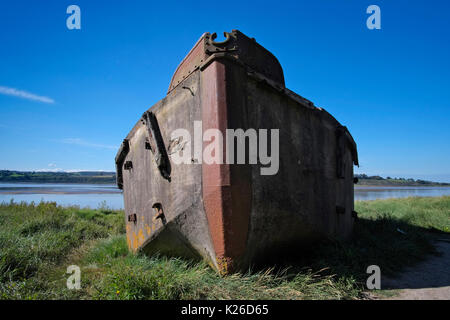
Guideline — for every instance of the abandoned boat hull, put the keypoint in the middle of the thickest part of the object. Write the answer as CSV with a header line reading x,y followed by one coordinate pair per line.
x,y
230,214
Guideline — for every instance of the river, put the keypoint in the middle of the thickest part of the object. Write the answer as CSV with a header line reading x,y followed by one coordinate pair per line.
x,y
99,195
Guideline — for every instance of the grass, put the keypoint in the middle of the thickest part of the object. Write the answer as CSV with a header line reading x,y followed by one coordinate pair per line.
x,y
36,238
140,277
38,242
430,213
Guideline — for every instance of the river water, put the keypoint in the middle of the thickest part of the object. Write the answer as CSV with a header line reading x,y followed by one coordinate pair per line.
x,y
99,195
83,195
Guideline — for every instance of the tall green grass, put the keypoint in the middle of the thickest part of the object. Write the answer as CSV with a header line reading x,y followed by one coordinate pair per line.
x,y
35,238
128,276
430,213
38,242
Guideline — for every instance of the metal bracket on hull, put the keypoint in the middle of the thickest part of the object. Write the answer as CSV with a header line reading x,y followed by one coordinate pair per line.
x,y
156,143
128,165
212,46
247,51
132,218
120,158
159,212
237,47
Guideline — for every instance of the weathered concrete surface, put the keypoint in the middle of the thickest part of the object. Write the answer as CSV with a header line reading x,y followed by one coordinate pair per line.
x,y
230,214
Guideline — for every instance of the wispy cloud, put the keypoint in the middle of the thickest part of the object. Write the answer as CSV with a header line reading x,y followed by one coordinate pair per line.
x,y
65,170
24,95
50,170
84,143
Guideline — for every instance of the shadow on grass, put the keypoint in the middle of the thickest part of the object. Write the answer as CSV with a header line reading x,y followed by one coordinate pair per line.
x,y
392,244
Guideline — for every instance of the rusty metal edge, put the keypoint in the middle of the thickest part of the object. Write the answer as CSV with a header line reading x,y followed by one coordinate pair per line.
x,y
182,63
221,204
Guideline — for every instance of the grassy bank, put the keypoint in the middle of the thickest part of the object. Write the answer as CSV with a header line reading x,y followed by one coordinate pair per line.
x,y
365,180
98,177
38,243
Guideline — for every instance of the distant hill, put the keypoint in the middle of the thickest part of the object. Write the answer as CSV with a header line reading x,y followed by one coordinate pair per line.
x,y
100,177
103,177
366,180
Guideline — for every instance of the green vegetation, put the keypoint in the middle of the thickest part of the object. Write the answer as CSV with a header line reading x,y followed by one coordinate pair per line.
x,y
110,177
366,180
431,213
38,243
36,238
58,177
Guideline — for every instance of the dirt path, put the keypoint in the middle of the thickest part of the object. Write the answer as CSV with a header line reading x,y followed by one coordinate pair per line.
x,y
427,280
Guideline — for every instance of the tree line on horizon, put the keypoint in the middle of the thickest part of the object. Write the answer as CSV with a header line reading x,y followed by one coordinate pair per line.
x,y
110,177
58,177
378,180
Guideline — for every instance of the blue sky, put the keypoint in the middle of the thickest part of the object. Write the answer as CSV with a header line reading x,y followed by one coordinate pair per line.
x,y
69,97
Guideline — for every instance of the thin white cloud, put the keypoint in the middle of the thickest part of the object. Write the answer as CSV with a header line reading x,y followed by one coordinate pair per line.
x,y
56,170
81,142
79,170
24,95
49,170
64,170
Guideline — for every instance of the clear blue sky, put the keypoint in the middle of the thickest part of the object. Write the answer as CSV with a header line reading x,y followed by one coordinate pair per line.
x,y
390,87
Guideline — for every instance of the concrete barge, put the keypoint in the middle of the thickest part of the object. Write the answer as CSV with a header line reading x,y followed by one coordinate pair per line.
x,y
230,212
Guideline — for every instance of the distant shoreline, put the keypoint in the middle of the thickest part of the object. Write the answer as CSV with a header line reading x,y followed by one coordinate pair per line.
x,y
365,180
58,182
363,183
82,177
41,191
38,190
105,178
400,186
